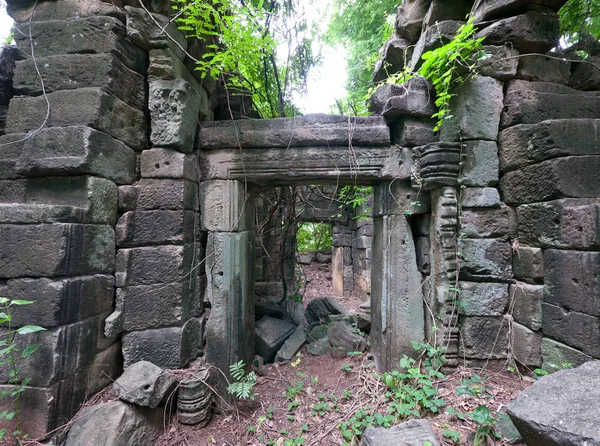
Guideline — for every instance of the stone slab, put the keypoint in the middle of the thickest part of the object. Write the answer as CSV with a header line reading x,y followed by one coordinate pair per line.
x,y
166,194
577,330
540,68
159,227
226,206
484,223
528,264
270,336
526,302
484,338
410,433
557,356
92,107
527,346
483,299
480,197
485,259
480,164
292,345
168,163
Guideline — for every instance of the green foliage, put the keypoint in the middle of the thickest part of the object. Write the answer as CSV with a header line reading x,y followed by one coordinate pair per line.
x,y
243,386
10,353
347,368
356,197
314,237
363,419
551,368
294,390
474,386
580,16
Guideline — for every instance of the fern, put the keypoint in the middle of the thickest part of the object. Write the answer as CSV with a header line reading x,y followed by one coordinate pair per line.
x,y
243,387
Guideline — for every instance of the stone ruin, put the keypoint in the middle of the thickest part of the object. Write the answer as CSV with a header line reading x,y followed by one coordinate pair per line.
x,y
127,212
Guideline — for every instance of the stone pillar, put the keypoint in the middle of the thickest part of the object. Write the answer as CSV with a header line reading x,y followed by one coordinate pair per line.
x,y
396,298
337,266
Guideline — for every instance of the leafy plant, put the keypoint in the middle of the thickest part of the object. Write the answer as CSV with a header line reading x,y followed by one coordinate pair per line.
x,y
10,353
314,237
243,387
356,197
347,368
294,390
361,420
474,386
486,424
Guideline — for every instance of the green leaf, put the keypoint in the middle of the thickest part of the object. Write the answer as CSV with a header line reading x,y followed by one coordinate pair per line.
x,y
21,302
27,329
30,349
481,415
4,300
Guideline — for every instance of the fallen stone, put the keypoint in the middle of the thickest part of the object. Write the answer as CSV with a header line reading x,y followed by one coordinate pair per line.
x,y
322,258
291,346
115,424
409,433
526,301
317,333
167,163
547,414
265,307
483,299
305,258
270,335
342,335
321,347
145,384
320,309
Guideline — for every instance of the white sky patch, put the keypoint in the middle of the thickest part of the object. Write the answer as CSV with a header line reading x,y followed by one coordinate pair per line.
x,y
5,24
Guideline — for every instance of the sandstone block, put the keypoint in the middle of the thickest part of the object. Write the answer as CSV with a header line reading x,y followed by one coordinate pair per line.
x,y
481,162
127,198
63,10
413,98
585,76
528,264
494,9
501,64
144,384
410,132
568,223
527,304
170,347
578,330
441,10
156,228
75,151
434,37
483,299
527,346
56,250
555,355
292,345
107,366
12,148
90,35
544,69
92,107
484,223
225,206
79,199
485,259
480,197
422,246
167,163
342,335
166,194
484,338
270,335
396,51
410,433
71,71
400,198
409,18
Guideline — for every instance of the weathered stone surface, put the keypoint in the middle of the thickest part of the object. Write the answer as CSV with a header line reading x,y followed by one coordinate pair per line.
x,y
144,384
105,369
127,198
575,329
320,310
317,332
413,98
585,76
409,18
174,107
56,250
501,64
532,32
292,345
156,228
526,103
528,264
91,107
548,414
270,335
483,299
526,144
410,132
422,247
270,290
165,347
476,108
421,225
485,259
80,199
527,346
115,424
568,223
480,197
439,164
441,10
484,338
225,206
166,194
75,151
63,10
321,347
527,304
556,355
434,37
572,280
481,163
71,71
342,335
154,31
167,163
154,264
573,176
544,69
484,223
494,9
60,301
303,131
230,291
12,148
265,307
91,35
409,433
396,52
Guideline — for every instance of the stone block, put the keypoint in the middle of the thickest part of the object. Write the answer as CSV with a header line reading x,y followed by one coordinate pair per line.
x,y
90,35
572,280
578,330
432,38
292,345
342,240
556,355
422,246
92,107
348,279
585,76
409,18
544,69
526,144
76,151
271,289
400,198
484,223
365,231
71,71
485,259
528,264
396,51
169,348
476,107
167,163
225,206
12,149
441,10
527,346
80,199
270,335
20,11
480,197
410,433
174,107
363,242
127,198
154,264
573,176
483,299
61,301
304,131
56,250
230,292
410,132
494,9
526,302
106,367
526,104
156,228
166,194
567,224
342,335
532,32
484,338
481,163
320,309
501,64
413,98
145,384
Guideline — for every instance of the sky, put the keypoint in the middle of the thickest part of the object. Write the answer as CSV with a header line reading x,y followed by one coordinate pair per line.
x,y
324,86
